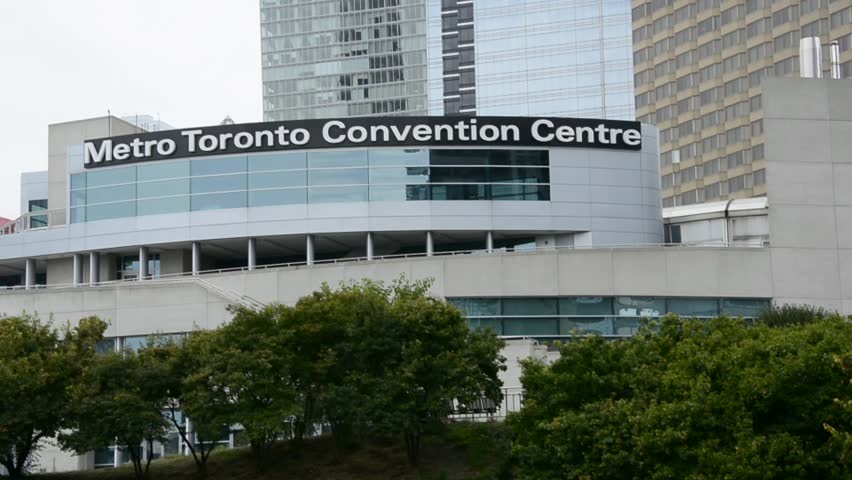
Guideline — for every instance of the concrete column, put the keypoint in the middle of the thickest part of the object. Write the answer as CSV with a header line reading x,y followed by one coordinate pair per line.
x,y
196,258
309,250
430,245
78,269
489,242
116,457
143,263
30,273
252,253
94,268
369,246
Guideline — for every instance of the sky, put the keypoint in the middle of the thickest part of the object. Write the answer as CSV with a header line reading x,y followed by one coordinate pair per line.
x,y
190,62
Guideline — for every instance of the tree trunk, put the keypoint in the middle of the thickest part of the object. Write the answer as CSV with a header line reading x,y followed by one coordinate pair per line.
x,y
412,447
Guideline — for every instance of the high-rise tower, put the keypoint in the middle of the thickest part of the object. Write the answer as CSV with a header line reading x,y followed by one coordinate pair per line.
x,y
337,58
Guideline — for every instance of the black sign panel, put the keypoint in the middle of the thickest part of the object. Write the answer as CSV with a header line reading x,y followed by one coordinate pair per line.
x,y
364,132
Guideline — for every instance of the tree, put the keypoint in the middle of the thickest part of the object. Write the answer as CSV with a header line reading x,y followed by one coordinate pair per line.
x,y
111,406
172,384
245,361
37,366
686,399
322,334
416,360
779,316
844,437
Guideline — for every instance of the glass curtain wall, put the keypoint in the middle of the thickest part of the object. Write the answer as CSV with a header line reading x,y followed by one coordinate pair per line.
x,y
609,316
312,177
548,58
343,58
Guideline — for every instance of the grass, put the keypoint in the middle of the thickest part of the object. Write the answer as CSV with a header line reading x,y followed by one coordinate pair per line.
x,y
460,452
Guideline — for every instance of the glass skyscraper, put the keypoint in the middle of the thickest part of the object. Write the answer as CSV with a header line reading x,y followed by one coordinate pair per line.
x,y
343,58
338,58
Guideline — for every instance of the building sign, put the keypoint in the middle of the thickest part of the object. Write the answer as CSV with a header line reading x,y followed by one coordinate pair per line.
x,y
364,132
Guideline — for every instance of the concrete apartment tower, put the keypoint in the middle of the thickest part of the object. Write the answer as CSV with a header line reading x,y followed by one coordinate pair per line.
x,y
342,58
699,68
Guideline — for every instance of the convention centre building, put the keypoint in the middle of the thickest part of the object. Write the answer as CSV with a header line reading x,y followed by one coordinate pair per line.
x,y
540,228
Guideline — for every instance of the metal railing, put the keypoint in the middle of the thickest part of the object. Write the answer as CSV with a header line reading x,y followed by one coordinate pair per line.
x,y
35,221
485,410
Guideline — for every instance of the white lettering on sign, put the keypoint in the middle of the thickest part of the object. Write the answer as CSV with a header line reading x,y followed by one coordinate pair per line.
x,y
411,131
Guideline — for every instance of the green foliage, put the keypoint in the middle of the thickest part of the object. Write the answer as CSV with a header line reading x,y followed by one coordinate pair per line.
x,y
687,399
245,359
387,360
37,367
173,380
785,315
844,436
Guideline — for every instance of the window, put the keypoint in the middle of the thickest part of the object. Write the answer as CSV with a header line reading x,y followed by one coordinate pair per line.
x,y
841,18
672,234
734,38
687,12
755,5
708,25
785,15
732,14
786,67
37,221
758,27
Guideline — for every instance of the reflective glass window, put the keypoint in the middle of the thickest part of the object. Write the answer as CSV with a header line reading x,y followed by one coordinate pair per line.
x,y
519,192
217,166
110,176
398,175
519,175
520,157
163,188
78,198
357,158
338,176
388,193
697,307
135,343
159,171
460,192
530,306
495,324
219,183
531,326
640,306
408,157
78,215
154,206
111,194
626,326
459,157
585,326
585,306
337,194
218,200
459,175
110,210
278,161
417,192
478,307
744,307
78,181
286,196
294,178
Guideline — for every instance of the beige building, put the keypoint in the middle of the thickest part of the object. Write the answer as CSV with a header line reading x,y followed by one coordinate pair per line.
x,y
699,69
